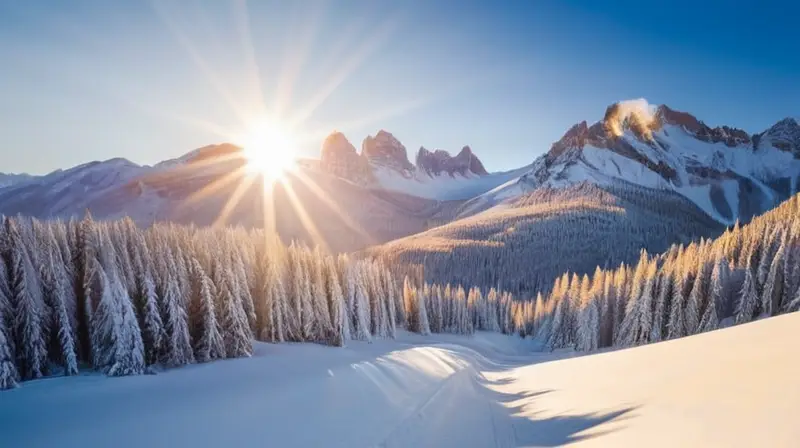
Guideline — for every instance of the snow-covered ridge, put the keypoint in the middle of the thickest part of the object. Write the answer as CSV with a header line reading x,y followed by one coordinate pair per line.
x,y
728,173
383,163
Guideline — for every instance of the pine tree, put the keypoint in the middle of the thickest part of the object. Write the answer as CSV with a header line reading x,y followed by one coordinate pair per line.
x,y
719,278
391,297
748,299
676,327
57,289
206,332
117,347
28,305
8,371
361,316
772,291
336,305
235,327
147,303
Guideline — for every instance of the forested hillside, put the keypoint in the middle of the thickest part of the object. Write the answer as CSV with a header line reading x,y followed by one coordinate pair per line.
x,y
522,246
112,297
748,273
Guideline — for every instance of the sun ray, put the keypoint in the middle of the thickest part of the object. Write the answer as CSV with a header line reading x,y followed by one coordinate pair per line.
x,y
234,199
268,206
297,56
320,193
253,71
198,59
368,46
213,187
305,219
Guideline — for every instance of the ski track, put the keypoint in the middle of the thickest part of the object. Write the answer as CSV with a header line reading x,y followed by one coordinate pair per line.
x,y
415,391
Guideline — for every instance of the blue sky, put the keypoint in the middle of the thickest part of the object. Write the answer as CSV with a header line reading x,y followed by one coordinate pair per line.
x,y
150,80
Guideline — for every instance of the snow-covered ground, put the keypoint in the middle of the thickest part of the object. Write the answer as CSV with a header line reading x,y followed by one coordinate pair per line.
x,y
734,387
443,187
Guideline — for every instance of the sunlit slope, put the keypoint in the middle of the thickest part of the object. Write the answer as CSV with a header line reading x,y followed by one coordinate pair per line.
x,y
524,244
307,204
735,387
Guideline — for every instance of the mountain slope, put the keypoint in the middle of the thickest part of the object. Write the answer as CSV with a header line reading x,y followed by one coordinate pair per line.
x,y
310,205
523,244
729,174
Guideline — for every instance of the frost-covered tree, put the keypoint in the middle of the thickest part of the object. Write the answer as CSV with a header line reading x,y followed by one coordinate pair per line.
x,y
235,327
361,313
772,291
336,305
206,330
27,303
117,347
9,377
748,303
58,292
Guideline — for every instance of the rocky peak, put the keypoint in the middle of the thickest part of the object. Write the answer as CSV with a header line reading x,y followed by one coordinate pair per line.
x,y
440,161
385,150
730,136
340,158
784,135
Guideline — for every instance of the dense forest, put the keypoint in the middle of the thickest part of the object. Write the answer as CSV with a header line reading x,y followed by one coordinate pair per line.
x,y
524,245
116,298
749,272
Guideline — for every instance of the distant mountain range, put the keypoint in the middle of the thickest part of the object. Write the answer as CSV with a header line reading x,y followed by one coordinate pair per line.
x,y
726,172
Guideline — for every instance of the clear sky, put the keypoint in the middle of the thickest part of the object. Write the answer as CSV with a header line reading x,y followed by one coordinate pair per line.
x,y
149,80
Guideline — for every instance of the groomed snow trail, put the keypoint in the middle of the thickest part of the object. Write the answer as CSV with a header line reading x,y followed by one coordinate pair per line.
x,y
415,391
735,387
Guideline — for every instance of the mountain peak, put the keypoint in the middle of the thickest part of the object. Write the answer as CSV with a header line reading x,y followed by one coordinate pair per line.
x,y
784,135
339,157
440,161
384,149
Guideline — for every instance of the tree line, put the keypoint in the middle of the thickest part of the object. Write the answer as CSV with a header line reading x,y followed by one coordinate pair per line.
x,y
123,300
749,272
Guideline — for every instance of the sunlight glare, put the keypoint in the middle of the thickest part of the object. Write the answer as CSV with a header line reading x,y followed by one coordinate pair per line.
x,y
269,149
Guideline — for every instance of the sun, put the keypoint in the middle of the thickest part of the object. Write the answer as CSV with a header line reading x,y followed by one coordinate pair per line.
x,y
269,149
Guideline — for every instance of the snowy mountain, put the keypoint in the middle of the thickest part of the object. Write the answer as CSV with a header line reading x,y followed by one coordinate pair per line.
x,y
376,194
727,172
383,164
8,179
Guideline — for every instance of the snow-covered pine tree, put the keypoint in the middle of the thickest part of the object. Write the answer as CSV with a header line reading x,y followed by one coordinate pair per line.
x,y
117,347
235,327
206,330
748,303
361,314
9,376
772,291
391,297
638,323
336,305
322,315
27,303
57,290
588,317
719,277
300,296
378,311
146,301
242,288
83,251
663,296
